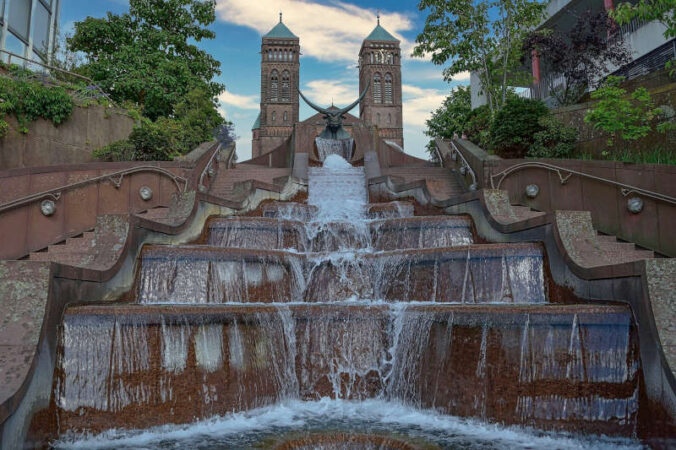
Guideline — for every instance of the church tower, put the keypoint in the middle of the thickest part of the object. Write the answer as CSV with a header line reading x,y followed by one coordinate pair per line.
x,y
380,63
280,69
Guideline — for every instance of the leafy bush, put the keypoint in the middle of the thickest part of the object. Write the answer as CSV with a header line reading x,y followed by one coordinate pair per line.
x,y
195,122
621,116
30,100
477,126
554,140
117,151
514,126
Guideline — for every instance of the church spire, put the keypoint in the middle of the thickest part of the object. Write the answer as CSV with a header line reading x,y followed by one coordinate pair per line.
x,y
280,17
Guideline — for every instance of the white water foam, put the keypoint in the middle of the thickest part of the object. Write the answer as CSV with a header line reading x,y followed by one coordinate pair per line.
x,y
252,428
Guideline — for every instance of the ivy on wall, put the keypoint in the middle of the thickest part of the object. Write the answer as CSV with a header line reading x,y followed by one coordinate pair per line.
x,y
28,100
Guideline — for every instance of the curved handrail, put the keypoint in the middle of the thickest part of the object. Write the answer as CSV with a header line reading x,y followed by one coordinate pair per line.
x,y
475,185
115,178
207,169
625,189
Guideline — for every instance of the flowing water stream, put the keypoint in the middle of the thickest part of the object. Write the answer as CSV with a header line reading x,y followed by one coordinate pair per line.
x,y
339,324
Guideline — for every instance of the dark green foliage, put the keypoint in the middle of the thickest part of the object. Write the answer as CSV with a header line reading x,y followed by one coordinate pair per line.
x,y
147,55
477,126
30,100
117,151
554,140
450,117
164,139
514,126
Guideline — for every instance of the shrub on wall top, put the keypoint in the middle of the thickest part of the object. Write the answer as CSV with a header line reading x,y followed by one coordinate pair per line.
x,y
30,100
554,140
514,126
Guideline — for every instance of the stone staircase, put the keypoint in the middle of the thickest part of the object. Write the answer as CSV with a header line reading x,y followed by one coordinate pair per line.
x,y
97,249
442,183
227,184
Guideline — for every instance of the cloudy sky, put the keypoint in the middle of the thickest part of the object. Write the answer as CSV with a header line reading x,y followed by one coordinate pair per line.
x,y
330,33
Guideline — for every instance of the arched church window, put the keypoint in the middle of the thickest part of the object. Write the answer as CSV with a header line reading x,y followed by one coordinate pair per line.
x,y
274,85
286,96
286,116
371,58
377,89
274,116
389,119
388,88
377,118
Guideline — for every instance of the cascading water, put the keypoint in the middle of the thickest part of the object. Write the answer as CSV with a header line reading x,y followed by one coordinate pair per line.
x,y
384,329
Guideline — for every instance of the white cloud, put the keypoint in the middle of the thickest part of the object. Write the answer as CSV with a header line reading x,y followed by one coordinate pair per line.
x,y
321,92
328,32
419,104
239,101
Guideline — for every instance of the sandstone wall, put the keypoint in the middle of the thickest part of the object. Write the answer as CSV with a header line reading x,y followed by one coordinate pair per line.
x,y
71,142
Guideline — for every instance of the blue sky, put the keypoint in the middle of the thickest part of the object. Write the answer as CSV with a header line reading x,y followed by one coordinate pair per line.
x,y
330,35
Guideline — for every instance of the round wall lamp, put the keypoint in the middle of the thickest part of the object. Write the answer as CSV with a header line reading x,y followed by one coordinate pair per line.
x,y
146,193
532,190
635,205
48,207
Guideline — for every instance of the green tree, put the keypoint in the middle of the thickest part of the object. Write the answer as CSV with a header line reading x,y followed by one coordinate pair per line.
x,y
622,116
450,117
148,56
481,37
660,10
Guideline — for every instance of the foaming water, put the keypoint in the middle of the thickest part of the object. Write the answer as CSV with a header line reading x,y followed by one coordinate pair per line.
x,y
270,426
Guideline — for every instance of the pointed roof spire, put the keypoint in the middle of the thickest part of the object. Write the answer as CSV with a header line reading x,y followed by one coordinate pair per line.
x,y
280,31
380,34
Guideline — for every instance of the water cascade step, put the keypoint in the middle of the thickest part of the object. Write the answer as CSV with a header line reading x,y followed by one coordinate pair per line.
x,y
349,324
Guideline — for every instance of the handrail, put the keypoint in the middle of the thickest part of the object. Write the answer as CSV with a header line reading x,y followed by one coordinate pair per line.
x,y
115,178
625,189
50,67
475,185
208,169
228,163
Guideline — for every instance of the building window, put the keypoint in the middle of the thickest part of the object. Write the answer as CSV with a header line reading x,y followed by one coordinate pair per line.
x,y
286,96
377,118
274,116
388,88
286,116
41,28
371,58
377,89
274,85
19,18
389,119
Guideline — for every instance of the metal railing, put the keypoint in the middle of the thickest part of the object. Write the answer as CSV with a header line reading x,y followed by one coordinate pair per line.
x,y
115,178
625,189
465,168
208,169
48,67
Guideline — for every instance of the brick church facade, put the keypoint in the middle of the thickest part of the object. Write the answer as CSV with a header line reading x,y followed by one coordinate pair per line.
x,y
379,64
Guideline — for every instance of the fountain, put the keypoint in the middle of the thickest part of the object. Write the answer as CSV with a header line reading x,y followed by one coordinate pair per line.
x,y
340,324
334,140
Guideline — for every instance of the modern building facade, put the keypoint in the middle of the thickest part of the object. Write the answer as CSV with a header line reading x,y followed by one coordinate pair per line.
x,y
649,48
29,28
379,65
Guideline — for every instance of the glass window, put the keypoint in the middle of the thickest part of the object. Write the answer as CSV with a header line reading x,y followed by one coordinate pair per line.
x,y
19,17
14,45
41,28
